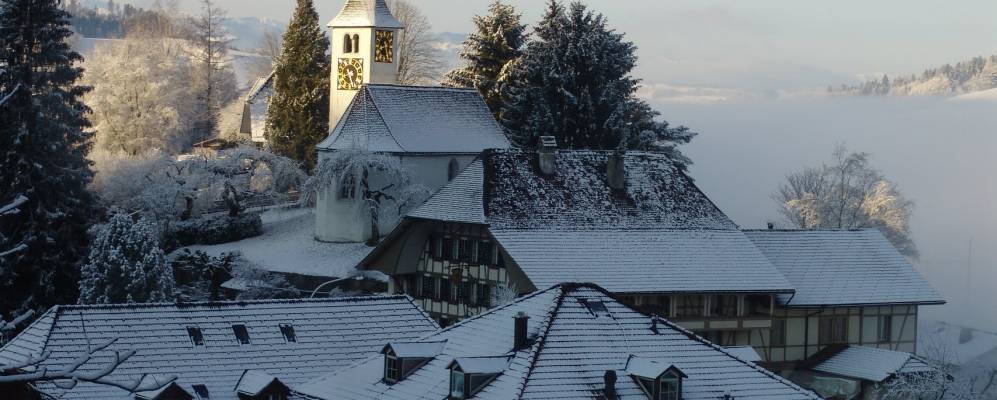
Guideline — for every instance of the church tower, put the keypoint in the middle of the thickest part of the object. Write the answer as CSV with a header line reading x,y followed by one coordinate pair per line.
x,y
364,50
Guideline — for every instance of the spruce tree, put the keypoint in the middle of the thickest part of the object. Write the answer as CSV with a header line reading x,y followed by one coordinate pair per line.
x,y
126,265
498,40
298,117
42,148
574,82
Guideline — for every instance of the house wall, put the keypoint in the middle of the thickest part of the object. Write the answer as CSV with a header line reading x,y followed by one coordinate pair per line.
x,y
339,221
862,328
745,327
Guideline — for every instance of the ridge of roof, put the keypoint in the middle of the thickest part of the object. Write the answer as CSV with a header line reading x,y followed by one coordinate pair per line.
x,y
229,303
398,86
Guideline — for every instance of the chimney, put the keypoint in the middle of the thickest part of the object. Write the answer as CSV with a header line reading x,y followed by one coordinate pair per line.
x,y
771,226
546,153
616,171
609,392
519,331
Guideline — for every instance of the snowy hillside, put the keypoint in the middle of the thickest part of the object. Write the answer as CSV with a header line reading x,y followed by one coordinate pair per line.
x,y
969,76
964,346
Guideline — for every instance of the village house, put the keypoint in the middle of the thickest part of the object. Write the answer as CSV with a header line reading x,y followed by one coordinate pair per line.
x,y
570,341
249,350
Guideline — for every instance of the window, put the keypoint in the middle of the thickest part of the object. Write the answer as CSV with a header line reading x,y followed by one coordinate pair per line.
x,y
428,287
689,306
196,337
778,333
288,331
464,250
833,330
437,247
453,170
279,396
669,388
664,306
456,384
885,328
444,289
595,306
201,392
484,253
484,294
392,368
448,248
348,187
241,333
758,305
347,44
356,43
723,306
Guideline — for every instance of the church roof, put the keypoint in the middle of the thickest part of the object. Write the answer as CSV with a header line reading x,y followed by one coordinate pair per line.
x,y
573,345
364,14
416,119
327,334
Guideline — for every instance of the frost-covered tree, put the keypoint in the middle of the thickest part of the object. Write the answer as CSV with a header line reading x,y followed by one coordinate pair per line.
x,y
498,39
43,143
502,294
142,96
574,82
418,60
847,193
214,78
298,115
126,265
385,188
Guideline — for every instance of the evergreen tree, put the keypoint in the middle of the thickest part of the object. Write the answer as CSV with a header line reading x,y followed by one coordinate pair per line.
x,y
298,117
126,265
573,82
42,147
498,40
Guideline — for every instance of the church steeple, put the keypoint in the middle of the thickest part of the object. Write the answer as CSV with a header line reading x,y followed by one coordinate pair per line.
x,y
364,50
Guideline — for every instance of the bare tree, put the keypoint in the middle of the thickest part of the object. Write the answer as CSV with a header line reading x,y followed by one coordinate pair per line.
x,y
503,293
418,61
32,371
216,79
269,49
848,193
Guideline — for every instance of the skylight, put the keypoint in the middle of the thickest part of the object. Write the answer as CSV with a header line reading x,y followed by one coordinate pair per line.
x,y
595,306
201,392
241,333
288,331
196,337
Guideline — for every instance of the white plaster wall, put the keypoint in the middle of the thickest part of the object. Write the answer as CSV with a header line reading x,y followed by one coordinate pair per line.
x,y
373,72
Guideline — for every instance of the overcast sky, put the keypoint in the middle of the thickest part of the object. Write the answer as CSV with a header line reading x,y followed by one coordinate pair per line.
x,y
757,44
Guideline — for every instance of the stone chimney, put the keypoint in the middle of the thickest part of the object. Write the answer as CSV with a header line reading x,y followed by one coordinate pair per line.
x,y
547,154
609,392
616,170
520,341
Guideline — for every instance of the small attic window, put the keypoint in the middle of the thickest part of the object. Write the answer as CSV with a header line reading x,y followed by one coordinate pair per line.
x,y
595,306
402,359
469,375
288,331
196,337
201,392
658,380
241,333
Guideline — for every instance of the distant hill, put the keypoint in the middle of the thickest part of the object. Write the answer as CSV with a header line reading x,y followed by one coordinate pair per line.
x,y
969,76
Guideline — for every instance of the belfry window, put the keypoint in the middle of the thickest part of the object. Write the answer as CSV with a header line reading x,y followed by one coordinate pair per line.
x,y
356,43
347,44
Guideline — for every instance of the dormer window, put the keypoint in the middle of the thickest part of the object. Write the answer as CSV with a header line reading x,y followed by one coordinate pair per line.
x,y
658,379
288,331
402,359
241,333
196,337
469,375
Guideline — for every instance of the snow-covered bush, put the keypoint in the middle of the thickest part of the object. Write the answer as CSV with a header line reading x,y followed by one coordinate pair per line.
x,y
126,265
215,229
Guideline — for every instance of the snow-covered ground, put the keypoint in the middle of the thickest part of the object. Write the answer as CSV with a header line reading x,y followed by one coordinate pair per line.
x,y
288,246
983,95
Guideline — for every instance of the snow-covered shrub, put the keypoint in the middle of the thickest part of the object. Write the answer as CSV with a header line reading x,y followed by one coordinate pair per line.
x,y
215,229
126,265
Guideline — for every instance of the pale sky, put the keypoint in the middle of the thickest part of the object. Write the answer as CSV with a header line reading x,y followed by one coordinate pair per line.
x,y
756,44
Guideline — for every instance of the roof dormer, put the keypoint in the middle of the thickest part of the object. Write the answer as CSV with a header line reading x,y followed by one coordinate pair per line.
x,y
171,391
256,385
401,359
468,375
660,380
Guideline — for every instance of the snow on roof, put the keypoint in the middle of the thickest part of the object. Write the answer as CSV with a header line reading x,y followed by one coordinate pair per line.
x,y
650,369
416,119
571,352
330,334
481,365
746,353
416,349
288,245
459,201
858,267
171,388
643,261
253,383
364,14
872,364
517,196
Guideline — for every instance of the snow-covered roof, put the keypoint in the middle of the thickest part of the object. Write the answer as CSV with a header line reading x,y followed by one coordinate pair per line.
x,y
571,351
416,349
650,369
643,261
328,333
253,383
746,353
830,268
516,195
416,119
365,14
481,365
872,364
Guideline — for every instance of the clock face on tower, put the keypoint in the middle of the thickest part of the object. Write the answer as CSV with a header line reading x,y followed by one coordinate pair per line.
x,y
384,46
350,73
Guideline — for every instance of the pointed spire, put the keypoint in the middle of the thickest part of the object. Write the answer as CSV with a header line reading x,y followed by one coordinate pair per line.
x,y
366,14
